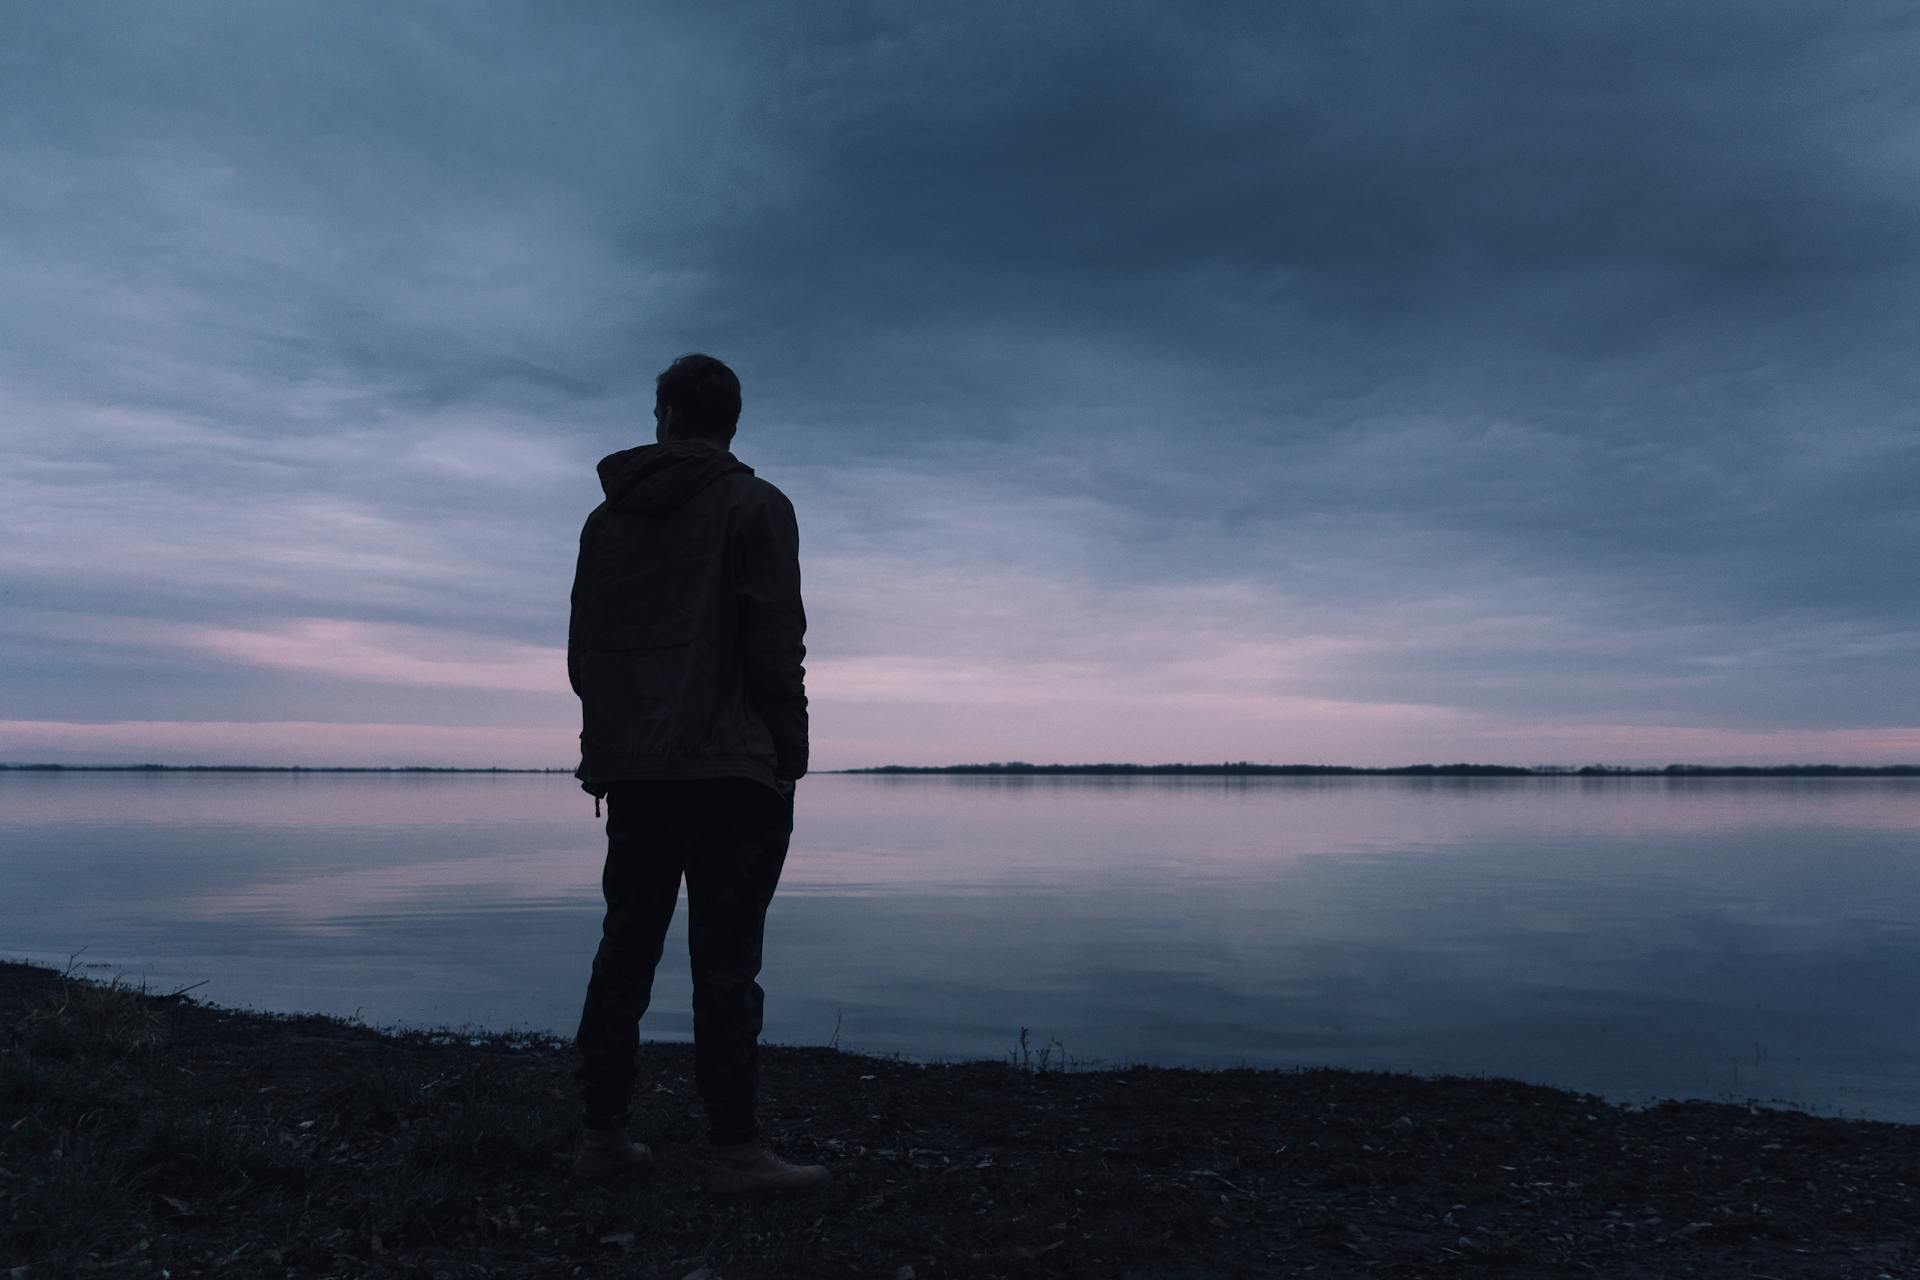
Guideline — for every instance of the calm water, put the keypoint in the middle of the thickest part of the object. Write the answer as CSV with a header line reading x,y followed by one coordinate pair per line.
x,y
1636,938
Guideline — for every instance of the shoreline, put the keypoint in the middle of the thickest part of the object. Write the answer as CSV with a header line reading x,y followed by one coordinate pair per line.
x,y
150,1132
1042,1055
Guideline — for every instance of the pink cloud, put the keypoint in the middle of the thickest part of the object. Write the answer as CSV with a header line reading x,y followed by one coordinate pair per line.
x,y
387,653
293,742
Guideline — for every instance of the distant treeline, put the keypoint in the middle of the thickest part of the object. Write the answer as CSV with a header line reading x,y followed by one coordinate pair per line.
x,y
1242,768
251,768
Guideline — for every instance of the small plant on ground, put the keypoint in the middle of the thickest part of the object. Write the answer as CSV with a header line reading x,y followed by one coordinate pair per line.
x,y
1051,1056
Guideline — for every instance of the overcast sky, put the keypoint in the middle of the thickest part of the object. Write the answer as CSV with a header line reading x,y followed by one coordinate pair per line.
x,y
1357,383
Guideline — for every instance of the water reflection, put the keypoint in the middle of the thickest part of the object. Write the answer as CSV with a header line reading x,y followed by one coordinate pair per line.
x,y
1635,937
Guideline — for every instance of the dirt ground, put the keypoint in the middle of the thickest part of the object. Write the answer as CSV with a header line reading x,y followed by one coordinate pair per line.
x,y
145,1135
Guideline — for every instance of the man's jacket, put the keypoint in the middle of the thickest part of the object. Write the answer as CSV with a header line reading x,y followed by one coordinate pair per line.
x,y
685,643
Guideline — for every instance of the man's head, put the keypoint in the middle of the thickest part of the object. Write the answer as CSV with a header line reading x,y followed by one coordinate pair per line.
x,y
696,398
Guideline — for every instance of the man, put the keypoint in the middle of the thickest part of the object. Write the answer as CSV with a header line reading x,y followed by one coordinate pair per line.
x,y
685,649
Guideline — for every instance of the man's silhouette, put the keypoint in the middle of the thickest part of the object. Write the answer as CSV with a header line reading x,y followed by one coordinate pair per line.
x,y
685,648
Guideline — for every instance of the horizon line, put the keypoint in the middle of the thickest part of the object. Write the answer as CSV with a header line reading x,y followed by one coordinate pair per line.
x,y
1021,767
1462,768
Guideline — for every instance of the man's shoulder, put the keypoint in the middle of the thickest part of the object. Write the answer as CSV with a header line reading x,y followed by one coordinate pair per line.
x,y
747,488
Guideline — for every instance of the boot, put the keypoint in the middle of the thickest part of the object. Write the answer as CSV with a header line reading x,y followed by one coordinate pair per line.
x,y
751,1167
607,1153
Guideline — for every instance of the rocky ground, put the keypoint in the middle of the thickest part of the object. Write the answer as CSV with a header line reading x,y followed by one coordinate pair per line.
x,y
145,1135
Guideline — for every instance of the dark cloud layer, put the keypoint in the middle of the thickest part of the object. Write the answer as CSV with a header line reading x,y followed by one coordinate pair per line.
x,y
1537,364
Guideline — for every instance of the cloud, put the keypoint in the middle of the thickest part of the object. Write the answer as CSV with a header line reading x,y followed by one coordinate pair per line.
x,y
315,744
386,654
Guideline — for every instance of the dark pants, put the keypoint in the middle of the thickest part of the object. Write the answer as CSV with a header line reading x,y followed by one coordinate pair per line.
x,y
728,836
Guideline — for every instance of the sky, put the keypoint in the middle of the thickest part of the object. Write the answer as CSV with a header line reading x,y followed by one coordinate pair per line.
x,y
1355,383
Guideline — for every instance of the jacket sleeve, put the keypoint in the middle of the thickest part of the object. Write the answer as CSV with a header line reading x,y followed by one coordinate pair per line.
x,y
773,624
574,627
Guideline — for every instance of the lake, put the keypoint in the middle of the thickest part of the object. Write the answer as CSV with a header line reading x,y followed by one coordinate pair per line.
x,y
1637,938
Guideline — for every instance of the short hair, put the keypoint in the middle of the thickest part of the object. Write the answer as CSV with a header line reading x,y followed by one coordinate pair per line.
x,y
704,395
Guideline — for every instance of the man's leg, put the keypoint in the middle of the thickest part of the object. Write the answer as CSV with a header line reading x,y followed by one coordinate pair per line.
x,y
730,880
646,841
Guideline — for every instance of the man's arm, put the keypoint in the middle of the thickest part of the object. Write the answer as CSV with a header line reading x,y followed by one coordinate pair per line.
x,y
573,613
773,624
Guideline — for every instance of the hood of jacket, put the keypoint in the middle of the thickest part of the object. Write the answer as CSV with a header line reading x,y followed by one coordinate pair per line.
x,y
657,479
